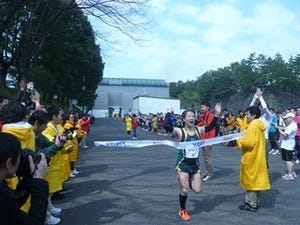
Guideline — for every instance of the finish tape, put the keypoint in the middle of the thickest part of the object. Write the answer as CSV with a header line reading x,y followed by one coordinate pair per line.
x,y
175,144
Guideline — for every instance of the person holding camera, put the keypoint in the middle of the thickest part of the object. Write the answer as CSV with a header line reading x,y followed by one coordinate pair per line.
x,y
13,115
39,120
71,130
59,166
10,212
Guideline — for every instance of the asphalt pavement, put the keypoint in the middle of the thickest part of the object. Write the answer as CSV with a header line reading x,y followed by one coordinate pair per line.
x,y
138,186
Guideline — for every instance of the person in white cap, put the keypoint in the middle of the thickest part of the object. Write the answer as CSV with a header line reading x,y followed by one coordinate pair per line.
x,y
288,145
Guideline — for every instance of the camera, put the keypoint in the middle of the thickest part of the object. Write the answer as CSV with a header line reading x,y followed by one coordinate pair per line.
x,y
68,134
24,166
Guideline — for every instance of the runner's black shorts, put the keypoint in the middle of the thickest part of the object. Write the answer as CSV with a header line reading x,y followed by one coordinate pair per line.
x,y
188,166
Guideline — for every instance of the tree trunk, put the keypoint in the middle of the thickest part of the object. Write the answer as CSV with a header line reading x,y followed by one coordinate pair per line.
x,y
3,74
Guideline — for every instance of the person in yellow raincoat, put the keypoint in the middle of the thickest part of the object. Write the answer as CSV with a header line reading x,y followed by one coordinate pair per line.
x,y
128,123
59,167
241,121
71,125
254,176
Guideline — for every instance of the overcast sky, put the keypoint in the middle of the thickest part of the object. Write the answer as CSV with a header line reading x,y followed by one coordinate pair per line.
x,y
190,37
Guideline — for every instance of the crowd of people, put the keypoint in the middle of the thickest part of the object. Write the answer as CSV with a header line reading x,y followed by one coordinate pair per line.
x,y
39,148
45,140
265,132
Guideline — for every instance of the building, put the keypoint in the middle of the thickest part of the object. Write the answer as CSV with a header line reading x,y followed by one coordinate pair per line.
x,y
115,95
146,105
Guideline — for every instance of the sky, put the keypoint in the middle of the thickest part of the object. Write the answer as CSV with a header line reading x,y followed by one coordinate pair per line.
x,y
190,37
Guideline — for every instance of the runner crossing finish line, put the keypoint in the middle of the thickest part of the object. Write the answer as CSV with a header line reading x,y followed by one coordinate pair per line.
x,y
175,144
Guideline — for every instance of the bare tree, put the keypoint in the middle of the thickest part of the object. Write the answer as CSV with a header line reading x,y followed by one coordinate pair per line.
x,y
126,16
37,18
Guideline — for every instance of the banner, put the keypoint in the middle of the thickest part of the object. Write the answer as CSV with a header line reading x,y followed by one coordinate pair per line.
x,y
175,144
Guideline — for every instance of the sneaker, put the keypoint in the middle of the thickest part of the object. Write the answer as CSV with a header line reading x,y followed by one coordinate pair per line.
x,y
272,151
288,177
75,172
72,175
184,214
51,220
297,161
276,152
206,177
54,210
294,174
247,207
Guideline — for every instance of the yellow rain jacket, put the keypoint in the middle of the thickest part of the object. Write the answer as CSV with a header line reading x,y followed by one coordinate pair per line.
x,y
241,123
253,172
56,173
23,131
65,154
128,123
73,156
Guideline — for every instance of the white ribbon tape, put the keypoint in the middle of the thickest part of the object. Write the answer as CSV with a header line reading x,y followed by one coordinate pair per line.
x,y
175,144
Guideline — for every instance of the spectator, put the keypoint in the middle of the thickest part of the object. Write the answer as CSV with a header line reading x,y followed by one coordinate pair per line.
x,y
10,213
223,119
128,123
71,129
241,121
135,125
85,128
254,176
59,166
265,114
170,118
155,123
297,138
273,134
14,114
207,119
231,127
288,145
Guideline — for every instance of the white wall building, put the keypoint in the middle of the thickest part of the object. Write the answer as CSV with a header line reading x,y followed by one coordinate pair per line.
x,y
115,95
148,104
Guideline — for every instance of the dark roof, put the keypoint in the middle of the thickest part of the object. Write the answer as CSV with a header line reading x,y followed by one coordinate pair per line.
x,y
148,96
134,82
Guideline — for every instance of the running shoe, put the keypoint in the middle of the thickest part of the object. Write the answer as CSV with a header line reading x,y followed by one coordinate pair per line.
x,y
247,207
276,152
206,177
54,210
51,220
75,171
184,215
272,151
288,177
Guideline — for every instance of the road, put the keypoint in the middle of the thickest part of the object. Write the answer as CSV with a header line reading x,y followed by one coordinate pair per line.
x,y
138,186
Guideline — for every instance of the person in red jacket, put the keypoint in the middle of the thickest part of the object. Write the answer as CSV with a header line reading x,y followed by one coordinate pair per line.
x,y
206,119
85,127
135,125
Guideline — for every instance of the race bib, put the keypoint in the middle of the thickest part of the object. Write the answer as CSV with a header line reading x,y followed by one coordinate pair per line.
x,y
191,152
